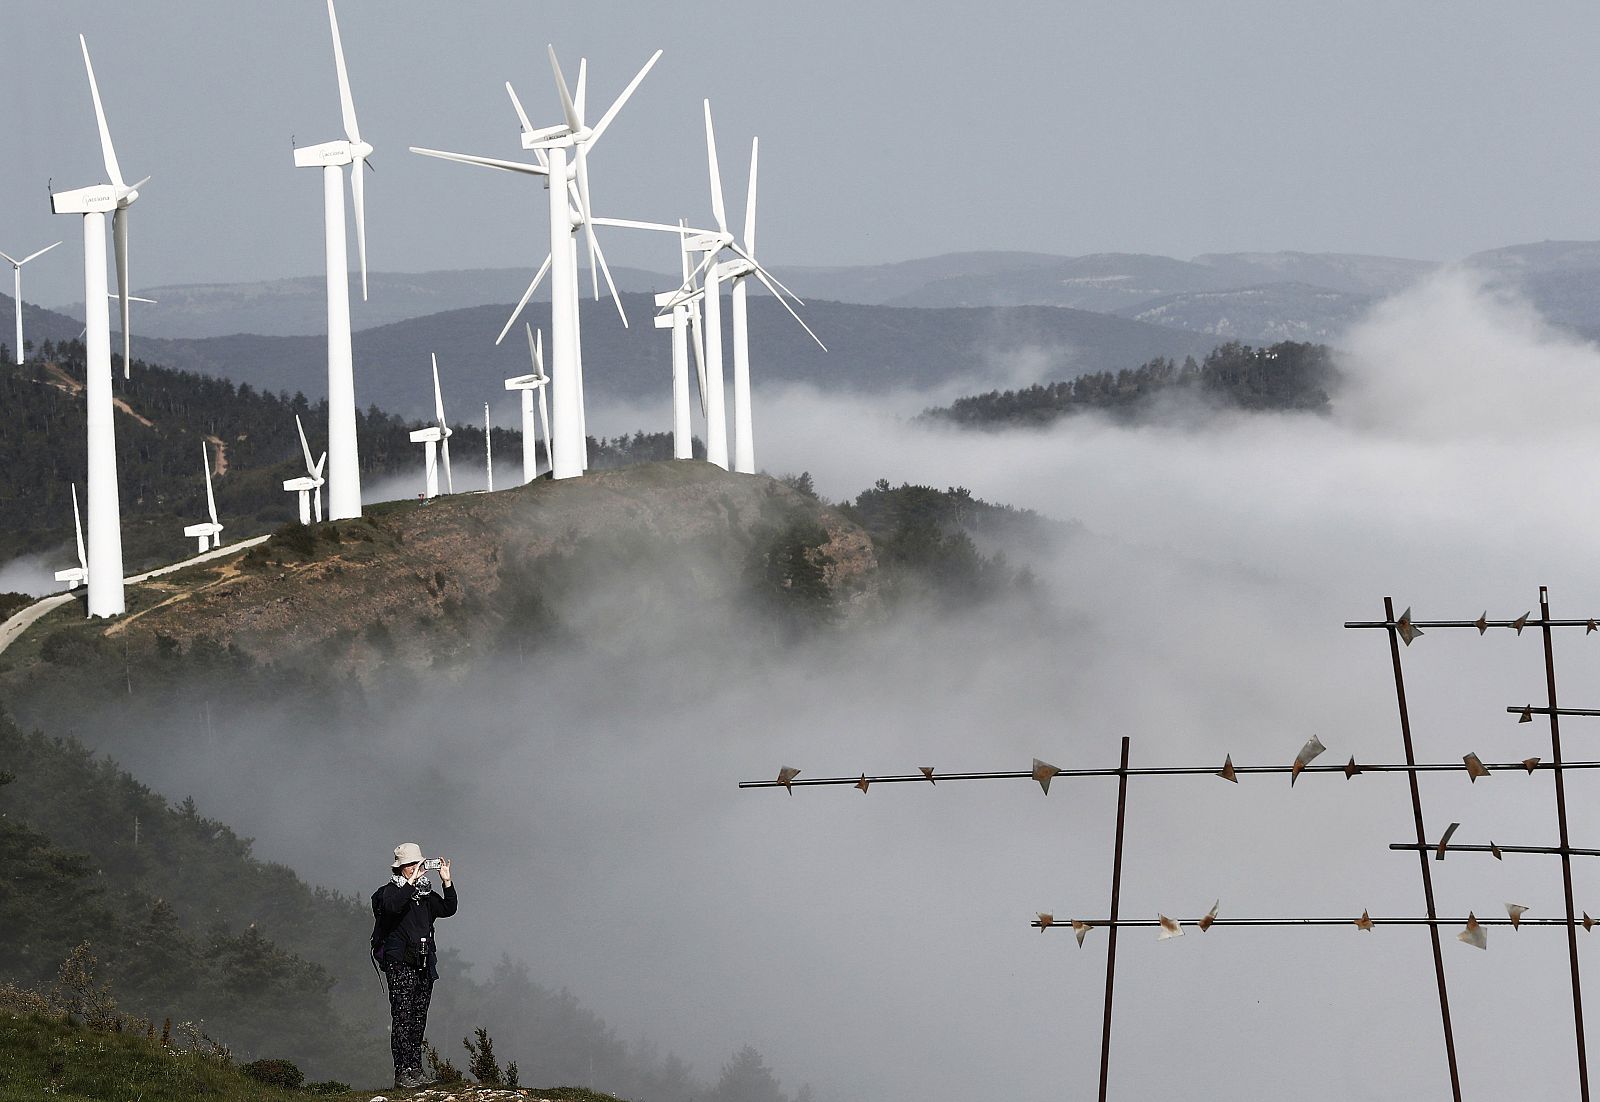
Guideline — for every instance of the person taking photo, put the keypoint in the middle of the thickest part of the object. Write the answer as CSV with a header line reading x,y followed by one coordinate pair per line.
x,y
403,913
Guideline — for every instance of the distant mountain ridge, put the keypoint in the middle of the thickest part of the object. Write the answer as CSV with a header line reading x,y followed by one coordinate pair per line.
x,y
871,349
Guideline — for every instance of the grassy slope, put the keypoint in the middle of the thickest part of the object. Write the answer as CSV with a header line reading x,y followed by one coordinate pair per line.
x,y
46,1055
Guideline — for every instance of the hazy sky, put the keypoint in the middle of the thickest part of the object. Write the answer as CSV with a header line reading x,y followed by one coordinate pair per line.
x,y
1431,129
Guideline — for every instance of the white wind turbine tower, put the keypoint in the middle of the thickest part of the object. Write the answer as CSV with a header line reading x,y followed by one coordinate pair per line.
x,y
308,485
75,576
344,472
433,438
743,265
16,266
209,533
527,384
488,453
106,596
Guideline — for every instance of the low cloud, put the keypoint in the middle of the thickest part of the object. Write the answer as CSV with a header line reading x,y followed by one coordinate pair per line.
x,y
877,944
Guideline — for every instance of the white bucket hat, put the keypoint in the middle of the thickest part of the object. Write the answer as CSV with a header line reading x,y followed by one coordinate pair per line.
x,y
406,853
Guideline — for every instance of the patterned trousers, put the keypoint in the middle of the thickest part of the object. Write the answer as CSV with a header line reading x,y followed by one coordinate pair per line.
x,y
410,990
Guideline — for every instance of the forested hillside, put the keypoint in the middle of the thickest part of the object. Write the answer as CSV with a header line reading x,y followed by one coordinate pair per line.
x,y
164,416
1284,376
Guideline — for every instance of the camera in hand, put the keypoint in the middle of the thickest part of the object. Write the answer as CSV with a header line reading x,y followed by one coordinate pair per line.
x,y
431,864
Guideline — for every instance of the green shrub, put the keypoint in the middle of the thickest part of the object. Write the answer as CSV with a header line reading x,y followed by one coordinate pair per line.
x,y
275,1073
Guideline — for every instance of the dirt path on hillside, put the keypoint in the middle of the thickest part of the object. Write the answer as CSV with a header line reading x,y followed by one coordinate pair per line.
x,y
220,467
66,382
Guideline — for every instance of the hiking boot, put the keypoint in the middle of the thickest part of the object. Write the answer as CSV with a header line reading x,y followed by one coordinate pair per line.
x,y
426,1077
408,1080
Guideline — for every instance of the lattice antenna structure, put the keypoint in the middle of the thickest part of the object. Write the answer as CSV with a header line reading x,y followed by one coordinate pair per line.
x,y
1473,930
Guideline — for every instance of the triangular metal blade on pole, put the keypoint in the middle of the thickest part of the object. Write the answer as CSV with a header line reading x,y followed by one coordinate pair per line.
x,y
1308,753
1042,772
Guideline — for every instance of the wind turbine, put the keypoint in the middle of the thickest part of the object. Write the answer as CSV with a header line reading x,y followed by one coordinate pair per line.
x,y
552,144
106,597
528,384
308,485
209,533
433,438
344,470
744,264
684,316
75,576
16,266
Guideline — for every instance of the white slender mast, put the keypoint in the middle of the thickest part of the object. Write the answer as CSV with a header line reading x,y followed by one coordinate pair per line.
x,y
106,597
344,463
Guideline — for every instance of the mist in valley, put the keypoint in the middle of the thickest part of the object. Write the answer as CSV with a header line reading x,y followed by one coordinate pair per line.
x,y
877,945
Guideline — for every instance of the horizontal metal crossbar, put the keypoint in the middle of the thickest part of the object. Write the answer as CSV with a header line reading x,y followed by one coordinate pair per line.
x,y
1169,771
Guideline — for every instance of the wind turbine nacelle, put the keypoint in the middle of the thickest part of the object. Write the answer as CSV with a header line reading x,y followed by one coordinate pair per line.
x,y
705,242
665,321
328,153
426,436
99,199
538,138
206,529
731,269
304,482
527,382
74,576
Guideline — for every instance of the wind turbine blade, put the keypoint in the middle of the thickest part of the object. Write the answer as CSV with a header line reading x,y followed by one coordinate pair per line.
x,y
77,524
119,234
750,199
716,176
770,276
635,224
687,287
699,353
535,350
438,399
484,162
587,212
568,108
606,268
358,194
762,276
317,471
523,301
683,250
305,448
583,87
346,105
522,116
544,419
449,480
106,150
616,105
13,261
211,499
30,256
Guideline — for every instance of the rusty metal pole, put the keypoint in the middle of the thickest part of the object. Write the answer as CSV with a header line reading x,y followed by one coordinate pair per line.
x,y
1566,854
1116,897
1422,850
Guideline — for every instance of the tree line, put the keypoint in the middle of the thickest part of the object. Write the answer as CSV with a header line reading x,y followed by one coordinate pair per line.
x,y
1286,376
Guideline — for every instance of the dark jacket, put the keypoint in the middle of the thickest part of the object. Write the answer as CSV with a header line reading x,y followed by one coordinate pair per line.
x,y
403,925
